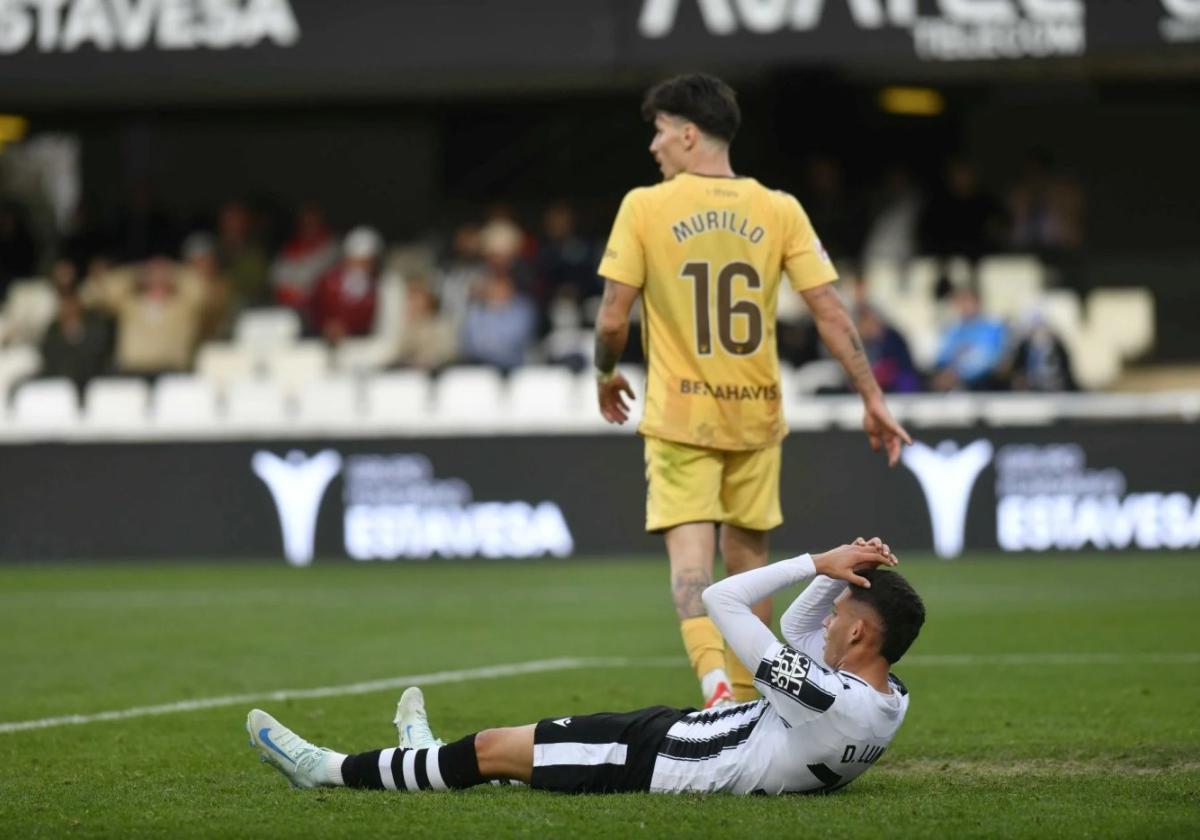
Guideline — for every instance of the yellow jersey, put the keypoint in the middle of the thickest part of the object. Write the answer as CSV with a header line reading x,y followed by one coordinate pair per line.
x,y
708,253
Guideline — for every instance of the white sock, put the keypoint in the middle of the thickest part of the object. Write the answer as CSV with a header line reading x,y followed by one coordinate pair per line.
x,y
333,769
710,681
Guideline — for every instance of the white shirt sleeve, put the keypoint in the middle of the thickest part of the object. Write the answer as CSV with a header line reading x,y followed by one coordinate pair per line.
x,y
728,604
803,622
798,685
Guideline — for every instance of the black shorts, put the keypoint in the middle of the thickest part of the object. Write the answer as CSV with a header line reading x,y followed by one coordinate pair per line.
x,y
601,753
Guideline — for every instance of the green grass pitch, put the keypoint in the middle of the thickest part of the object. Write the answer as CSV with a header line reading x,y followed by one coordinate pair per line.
x,y
1051,696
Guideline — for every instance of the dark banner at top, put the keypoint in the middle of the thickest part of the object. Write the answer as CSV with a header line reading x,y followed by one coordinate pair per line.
x,y
223,50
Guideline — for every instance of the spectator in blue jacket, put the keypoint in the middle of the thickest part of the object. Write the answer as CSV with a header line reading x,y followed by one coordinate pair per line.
x,y
971,349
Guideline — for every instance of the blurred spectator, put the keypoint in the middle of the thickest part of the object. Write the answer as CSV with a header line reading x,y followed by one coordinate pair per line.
x,y
500,325
961,220
462,272
1047,209
429,340
343,303
217,303
241,257
305,257
158,310
892,233
1040,361
63,276
971,348
887,351
18,253
78,344
566,263
836,217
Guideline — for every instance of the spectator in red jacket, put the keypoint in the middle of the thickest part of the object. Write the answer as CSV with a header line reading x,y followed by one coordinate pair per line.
x,y
343,304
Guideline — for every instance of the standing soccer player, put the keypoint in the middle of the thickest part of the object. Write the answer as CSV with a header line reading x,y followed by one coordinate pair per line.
x,y
705,250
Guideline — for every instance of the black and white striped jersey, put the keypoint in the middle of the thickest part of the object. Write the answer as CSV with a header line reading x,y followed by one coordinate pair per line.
x,y
814,730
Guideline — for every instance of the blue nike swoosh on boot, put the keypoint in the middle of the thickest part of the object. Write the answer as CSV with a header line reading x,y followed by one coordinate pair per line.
x,y
264,735
408,733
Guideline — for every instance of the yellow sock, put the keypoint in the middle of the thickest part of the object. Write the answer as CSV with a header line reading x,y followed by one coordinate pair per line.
x,y
740,678
704,645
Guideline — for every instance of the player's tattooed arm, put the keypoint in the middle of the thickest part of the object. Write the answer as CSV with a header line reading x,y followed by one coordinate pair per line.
x,y
842,338
612,324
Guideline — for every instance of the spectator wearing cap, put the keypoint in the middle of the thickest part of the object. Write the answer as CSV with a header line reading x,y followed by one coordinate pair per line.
x,y
217,299
306,256
343,303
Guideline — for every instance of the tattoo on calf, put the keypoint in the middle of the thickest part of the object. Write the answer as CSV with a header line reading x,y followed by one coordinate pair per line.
x,y
686,588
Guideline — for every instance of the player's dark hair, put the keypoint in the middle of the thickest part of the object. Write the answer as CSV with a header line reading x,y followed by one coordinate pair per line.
x,y
704,100
898,606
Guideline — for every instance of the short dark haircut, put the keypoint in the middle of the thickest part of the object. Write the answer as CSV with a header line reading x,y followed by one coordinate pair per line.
x,y
704,100
898,606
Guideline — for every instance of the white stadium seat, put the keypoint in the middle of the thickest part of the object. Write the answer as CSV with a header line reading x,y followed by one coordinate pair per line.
x,y
1009,285
294,366
1063,312
544,396
397,399
28,309
117,405
263,329
1124,317
183,403
256,406
363,355
1095,360
223,365
331,403
469,396
16,363
46,405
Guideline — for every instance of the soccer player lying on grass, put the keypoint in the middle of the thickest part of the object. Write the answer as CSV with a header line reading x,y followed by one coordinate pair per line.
x,y
829,707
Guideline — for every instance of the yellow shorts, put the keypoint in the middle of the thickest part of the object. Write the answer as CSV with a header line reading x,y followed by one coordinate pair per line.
x,y
687,483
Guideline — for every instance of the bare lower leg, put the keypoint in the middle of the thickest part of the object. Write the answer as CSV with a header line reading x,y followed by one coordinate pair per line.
x,y
690,548
506,753
743,550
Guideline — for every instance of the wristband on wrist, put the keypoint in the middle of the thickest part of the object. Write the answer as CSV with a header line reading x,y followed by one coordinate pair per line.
x,y
603,378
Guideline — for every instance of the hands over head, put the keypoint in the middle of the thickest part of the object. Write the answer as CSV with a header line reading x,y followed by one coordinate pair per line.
x,y
845,562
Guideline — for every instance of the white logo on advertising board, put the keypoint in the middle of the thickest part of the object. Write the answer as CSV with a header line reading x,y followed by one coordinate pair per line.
x,y
1182,23
397,508
130,25
1049,499
297,484
946,475
961,30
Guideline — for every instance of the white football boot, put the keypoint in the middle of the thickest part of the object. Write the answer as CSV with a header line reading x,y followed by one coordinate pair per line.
x,y
411,723
303,764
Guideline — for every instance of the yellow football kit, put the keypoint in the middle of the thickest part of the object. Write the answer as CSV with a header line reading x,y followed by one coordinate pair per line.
x,y
708,254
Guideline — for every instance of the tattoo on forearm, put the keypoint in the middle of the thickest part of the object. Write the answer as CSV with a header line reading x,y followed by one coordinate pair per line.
x,y
686,589
608,353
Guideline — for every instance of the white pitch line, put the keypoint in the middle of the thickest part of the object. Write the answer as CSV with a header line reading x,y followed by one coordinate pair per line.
x,y
437,677
539,666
